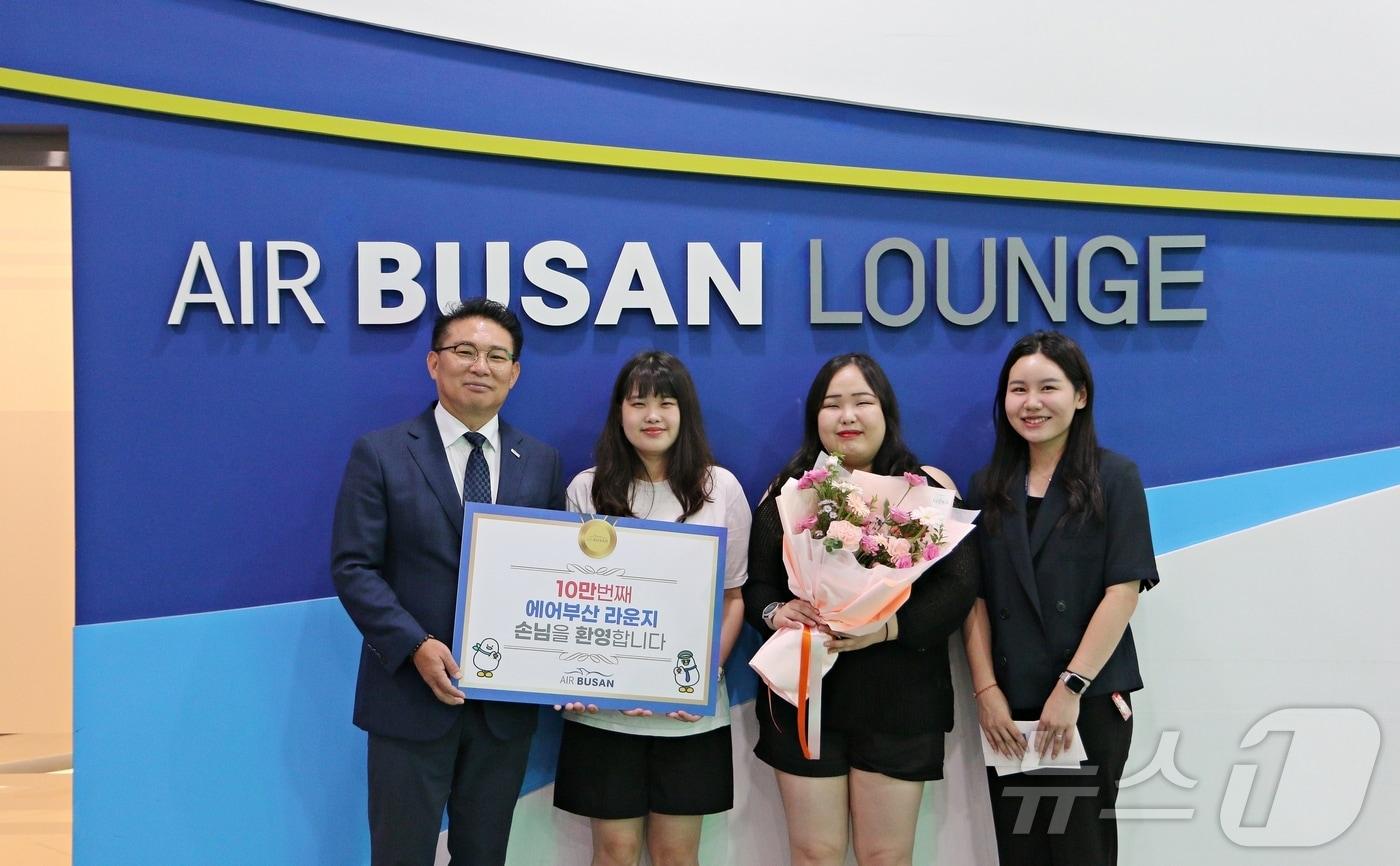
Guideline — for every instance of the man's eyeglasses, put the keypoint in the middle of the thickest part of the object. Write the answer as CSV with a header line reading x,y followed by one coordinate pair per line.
x,y
469,354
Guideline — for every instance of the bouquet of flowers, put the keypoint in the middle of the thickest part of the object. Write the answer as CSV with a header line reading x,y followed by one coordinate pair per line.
x,y
875,532
853,545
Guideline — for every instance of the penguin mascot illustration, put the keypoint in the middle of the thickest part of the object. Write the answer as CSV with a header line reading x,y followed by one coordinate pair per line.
x,y
687,674
486,657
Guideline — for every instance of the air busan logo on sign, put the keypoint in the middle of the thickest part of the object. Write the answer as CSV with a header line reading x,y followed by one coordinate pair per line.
x,y
585,677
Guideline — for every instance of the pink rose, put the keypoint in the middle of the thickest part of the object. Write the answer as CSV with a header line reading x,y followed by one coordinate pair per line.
x,y
811,477
845,532
914,479
869,544
931,552
899,515
905,561
806,523
898,547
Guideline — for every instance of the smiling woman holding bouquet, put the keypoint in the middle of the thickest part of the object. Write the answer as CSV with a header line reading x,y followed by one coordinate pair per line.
x,y
632,773
1066,548
888,700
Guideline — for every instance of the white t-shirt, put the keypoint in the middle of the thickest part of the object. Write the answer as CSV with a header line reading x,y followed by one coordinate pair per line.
x,y
729,508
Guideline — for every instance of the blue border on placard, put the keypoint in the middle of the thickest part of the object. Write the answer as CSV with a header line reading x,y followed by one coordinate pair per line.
x,y
719,533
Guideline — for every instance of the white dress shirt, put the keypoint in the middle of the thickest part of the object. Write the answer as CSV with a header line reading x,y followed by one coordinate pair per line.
x,y
458,449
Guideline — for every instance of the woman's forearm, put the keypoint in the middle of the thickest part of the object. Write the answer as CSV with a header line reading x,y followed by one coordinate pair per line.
x,y
977,639
731,621
1105,629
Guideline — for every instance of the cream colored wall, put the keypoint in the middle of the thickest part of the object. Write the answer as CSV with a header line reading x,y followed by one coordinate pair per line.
x,y
36,452
1271,74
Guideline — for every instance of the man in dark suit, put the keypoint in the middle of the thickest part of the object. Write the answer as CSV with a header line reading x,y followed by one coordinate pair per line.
x,y
396,545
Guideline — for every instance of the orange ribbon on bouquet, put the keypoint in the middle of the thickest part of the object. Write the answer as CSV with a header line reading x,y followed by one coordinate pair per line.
x,y
803,666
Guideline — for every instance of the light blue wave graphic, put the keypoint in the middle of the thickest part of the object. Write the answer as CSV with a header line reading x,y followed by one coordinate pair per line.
x,y
1196,511
219,738
225,737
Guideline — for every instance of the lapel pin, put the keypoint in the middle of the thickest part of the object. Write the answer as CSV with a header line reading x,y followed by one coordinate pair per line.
x,y
516,453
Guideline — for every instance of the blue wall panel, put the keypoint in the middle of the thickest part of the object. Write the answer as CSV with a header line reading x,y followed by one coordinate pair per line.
x,y
209,455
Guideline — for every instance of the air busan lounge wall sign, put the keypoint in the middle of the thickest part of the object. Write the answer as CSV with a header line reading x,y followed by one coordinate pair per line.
x,y
393,286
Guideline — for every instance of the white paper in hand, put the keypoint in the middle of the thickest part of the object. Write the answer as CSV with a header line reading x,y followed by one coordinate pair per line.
x,y
1033,760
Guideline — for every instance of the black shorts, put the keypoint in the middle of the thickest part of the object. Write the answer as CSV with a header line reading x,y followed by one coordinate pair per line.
x,y
916,757
606,774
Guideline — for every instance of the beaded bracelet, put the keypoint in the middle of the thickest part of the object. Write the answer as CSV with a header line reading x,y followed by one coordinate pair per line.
x,y
419,645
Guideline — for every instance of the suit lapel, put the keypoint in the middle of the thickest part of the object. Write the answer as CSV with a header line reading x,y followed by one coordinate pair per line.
x,y
1051,510
513,462
1018,543
425,445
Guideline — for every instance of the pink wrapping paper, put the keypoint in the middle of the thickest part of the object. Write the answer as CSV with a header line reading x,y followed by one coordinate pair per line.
x,y
851,598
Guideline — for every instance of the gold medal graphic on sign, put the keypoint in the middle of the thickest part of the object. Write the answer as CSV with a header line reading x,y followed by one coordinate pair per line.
x,y
597,538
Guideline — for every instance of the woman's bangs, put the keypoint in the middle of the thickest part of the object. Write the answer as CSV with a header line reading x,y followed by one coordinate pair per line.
x,y
648,380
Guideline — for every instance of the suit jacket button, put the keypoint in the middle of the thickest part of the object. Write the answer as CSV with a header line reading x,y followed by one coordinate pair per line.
x,y
1060,606
1004,613
1002,661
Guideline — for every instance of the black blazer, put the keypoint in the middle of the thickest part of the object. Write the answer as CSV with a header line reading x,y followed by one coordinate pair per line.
x,y
1043,586
394,552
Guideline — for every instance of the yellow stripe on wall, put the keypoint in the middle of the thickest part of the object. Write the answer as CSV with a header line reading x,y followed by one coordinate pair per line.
x,y
697,163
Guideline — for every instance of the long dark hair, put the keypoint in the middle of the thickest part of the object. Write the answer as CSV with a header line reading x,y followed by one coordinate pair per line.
x,y
893,457
689,460
1078,469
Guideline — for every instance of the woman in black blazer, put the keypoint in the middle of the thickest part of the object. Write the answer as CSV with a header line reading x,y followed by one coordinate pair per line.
x,y
1066,548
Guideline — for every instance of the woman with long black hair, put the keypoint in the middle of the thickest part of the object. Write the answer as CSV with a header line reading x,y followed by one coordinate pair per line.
x,y
1066,548
638,776
888,701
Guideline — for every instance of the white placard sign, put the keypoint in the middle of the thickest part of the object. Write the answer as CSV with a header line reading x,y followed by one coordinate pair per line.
x,y
554,606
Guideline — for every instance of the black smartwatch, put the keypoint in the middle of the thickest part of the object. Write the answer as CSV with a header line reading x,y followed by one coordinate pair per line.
x,y
1074,682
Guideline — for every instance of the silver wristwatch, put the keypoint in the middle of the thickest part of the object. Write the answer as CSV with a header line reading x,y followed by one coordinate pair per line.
x,y
769,611
1074,682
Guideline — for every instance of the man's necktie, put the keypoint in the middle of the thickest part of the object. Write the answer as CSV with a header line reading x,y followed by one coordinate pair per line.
x,y
476,481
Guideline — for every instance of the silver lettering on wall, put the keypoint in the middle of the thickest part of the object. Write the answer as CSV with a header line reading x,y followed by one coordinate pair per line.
x,y
559,282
